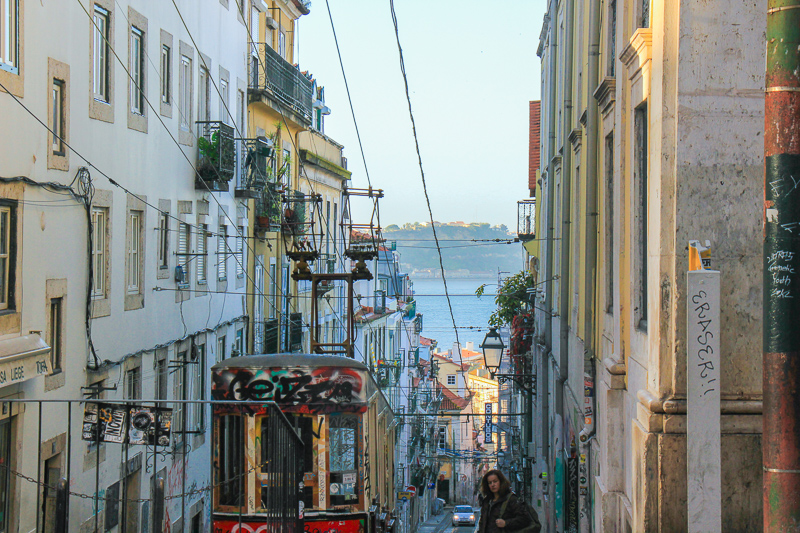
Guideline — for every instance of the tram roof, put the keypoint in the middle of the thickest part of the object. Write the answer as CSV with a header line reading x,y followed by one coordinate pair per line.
x,y
289,360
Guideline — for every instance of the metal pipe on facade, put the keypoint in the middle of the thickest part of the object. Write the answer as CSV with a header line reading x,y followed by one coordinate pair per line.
x,y
781,357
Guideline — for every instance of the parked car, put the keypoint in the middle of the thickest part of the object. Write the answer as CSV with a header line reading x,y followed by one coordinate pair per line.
x,y
463,515
438,506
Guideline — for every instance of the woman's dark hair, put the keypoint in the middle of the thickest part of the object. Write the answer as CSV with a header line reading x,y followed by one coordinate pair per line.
x,y
505,486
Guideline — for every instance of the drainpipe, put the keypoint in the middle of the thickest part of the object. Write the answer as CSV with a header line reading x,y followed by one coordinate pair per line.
x,y
593,135
781,443
566,212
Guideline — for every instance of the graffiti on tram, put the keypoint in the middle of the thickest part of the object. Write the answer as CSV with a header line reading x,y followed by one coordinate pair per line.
x,y
298,386
355,525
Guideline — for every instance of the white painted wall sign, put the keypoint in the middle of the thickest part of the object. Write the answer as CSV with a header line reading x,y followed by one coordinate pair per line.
x,y
703,398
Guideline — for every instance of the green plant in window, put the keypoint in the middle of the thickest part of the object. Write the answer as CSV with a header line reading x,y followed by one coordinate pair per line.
x,y
209,157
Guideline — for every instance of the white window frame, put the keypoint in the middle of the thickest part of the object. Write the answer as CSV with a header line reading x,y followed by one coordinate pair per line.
x,y
222,253
137,70
57,125
166,64
9,35
100,67
224,101
184,240
134,281
99,255
240,265
202,254
185,109
163,241
451,379
203,82
6,257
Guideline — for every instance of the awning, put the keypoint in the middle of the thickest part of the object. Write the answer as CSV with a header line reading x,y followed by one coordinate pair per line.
x,y
23,358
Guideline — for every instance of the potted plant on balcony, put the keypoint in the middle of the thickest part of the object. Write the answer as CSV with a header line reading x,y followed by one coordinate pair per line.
x,y
208,167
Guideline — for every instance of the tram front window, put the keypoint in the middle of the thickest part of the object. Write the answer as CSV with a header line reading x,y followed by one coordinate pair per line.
x,y
343,458
231,460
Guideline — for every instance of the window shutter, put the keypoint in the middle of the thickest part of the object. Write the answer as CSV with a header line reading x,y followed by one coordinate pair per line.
x,y
222,255
202,236
183,249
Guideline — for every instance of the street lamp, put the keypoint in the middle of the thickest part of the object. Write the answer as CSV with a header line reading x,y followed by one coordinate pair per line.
x,y
493,347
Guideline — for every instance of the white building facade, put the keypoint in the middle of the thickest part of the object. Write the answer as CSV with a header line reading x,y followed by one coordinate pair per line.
x,y
122,247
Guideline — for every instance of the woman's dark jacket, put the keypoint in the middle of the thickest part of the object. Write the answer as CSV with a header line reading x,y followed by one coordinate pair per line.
x,y
515,515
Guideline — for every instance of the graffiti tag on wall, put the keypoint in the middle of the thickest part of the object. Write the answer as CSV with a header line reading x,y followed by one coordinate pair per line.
x,y
299,386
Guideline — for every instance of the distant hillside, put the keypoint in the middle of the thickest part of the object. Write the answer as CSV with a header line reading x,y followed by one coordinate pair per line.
x,y
459,253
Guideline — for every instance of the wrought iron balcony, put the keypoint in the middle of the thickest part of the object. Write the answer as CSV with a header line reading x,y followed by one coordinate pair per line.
x,y
256,158
526,219
216,156
326,263
269,207
282,80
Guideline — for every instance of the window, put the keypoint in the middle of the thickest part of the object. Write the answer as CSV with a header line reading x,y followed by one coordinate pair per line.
x,y
609,223
343,453
137,71
184,237
240,266
133,383
100,66
7,253
644,22
282,43
202,95
221,348
163,240
640,184
273,288
57,120
238,345
197,370
451,379
9,37
166,71
6,480
442,440
161,378
56,335
231,459
223,103
99,258
222,253
612,37
186,93
179,393
135,252
202,253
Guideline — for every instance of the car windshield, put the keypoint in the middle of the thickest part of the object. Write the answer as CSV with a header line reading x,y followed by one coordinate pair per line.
x,y
463,509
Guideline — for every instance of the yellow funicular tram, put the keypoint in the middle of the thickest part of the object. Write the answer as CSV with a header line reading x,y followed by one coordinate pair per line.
x,y
306,442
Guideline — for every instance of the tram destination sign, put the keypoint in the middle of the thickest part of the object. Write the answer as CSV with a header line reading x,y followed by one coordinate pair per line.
x,y
119,424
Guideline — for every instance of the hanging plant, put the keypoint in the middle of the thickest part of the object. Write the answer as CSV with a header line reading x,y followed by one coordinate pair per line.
x,y
511,298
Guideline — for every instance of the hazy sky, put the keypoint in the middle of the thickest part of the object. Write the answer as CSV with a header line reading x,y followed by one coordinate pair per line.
x,y
472,69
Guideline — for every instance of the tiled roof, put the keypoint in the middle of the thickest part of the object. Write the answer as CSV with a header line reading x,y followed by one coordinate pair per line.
x,y
425,341
451,400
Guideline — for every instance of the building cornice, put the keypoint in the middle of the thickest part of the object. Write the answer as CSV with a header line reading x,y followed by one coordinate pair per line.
x,y
639,47
606,95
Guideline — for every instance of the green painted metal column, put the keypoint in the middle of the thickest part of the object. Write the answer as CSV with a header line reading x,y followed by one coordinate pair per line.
x,y
781,438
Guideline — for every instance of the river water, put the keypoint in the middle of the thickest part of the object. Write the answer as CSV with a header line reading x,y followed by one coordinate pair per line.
x,y
469,310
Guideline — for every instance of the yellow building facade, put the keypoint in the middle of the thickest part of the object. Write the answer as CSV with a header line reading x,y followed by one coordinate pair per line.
x,y
650,137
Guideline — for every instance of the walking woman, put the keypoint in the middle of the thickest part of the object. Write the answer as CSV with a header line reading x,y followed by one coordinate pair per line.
x,y
503,511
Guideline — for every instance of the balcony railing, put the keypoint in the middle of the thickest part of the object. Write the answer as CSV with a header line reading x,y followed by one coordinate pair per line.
x,y
216,155
282,79
269,207
256,157
526,219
